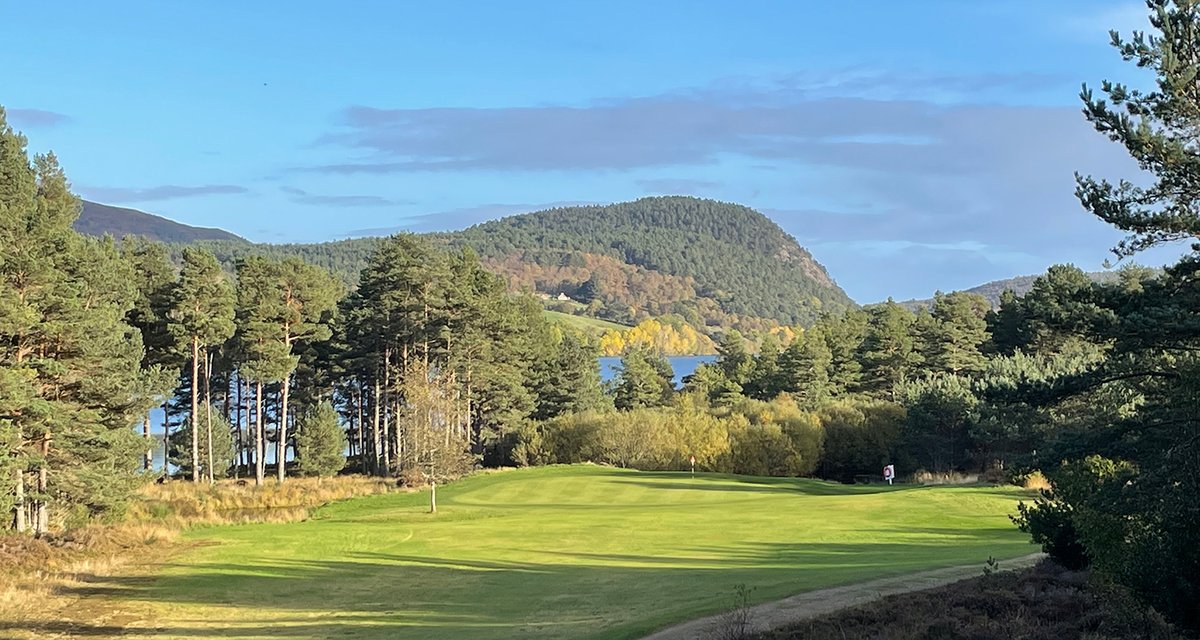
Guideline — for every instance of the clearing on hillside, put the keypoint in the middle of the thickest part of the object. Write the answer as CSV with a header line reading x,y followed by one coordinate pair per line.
x,y
558,552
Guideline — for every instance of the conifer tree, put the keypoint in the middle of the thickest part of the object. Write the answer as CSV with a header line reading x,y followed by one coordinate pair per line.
x,y
955,334
320,441
201,317
844,336
155,278
262,356
645,380
734,358
1125,491
888,352
71,384
804,368
308,296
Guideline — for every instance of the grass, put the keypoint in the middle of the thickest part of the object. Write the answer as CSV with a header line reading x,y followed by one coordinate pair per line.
x,y
559,552
590,325
52,578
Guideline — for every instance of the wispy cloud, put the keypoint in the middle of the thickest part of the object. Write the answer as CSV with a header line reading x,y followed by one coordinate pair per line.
x,y
163,192
36,118
460,218
300,196
799,119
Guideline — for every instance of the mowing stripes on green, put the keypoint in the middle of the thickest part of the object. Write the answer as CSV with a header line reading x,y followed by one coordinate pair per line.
x,y
560,552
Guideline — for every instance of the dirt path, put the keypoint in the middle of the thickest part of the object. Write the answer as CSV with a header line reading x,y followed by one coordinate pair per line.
x,y
797,608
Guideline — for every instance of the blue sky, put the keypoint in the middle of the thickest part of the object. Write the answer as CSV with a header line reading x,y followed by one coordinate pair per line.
x,y
911,146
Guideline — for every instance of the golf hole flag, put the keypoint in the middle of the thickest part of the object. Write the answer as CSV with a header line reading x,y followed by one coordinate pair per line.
x,y
889,472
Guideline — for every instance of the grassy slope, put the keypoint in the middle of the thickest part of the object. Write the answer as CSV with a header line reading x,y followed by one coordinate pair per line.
x,y
590,325
564,552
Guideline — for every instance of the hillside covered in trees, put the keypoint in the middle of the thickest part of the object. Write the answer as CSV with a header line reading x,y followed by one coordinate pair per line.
x,y
714,264
97,219
700,258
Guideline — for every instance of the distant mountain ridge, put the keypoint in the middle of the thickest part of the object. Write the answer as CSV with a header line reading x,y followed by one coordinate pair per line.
x,y
1019,285
98,219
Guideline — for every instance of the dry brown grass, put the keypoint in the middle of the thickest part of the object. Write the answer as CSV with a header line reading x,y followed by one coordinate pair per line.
x,y
182,504
1036,481
38,574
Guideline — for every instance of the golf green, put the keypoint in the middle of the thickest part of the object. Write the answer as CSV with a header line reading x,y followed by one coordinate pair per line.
x,y
560,552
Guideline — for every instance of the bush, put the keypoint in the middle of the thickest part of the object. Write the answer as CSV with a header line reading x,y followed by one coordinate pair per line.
x,y
648,439
1049,524
778,439
320,441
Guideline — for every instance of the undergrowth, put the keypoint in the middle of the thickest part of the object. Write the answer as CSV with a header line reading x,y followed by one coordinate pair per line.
x,y
34,571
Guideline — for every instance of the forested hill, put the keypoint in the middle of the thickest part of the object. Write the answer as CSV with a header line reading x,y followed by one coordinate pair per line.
x,y
712,263
98,219
723,262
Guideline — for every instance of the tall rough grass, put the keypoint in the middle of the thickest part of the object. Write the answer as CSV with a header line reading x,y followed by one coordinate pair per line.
x,y
182,504
36,572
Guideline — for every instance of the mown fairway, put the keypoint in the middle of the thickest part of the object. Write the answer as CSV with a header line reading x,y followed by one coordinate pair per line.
x,y
565,552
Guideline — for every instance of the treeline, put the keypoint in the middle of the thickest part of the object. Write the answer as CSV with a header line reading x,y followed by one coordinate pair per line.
x,y
424,370
860,389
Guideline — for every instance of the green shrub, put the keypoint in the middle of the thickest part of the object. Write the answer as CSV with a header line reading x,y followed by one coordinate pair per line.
x,y
1049,524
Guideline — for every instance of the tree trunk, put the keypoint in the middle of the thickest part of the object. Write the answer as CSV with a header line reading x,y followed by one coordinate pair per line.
x,y
470,415
148,459
166,441
241,442
281,445
208,413
19,503
259,446
388,451
362,449
41,522
377,447
195,409
433,496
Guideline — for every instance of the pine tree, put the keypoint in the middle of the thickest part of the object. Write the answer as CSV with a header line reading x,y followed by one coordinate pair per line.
x,y
734,358
570,377
217,453
844,337
155,278
804,368
71,385
262,355
1125,490
645,380
308,296
320,441
955,334
887,352
764,381
201,317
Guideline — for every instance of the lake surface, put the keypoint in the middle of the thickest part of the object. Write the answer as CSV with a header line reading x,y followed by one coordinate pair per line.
x,y
683,365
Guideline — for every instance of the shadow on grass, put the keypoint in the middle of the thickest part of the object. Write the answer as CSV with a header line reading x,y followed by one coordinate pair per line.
x,y
383,595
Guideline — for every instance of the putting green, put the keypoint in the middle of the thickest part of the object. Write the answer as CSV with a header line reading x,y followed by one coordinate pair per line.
x,y
559,552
